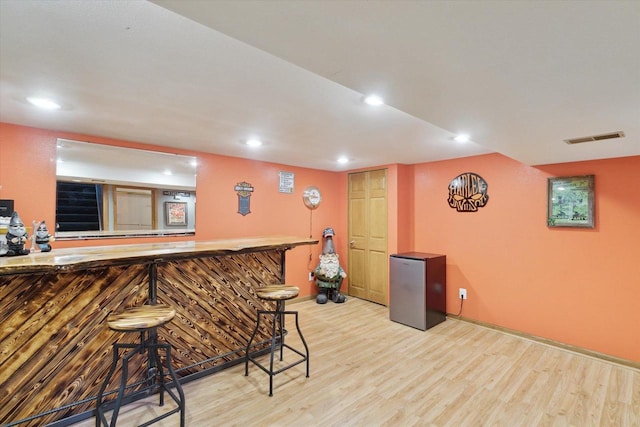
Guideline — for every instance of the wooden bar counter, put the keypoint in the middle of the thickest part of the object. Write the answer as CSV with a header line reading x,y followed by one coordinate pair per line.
x,y
55,348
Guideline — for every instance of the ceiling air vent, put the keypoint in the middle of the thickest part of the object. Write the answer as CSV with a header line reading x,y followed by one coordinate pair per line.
x,y
580,140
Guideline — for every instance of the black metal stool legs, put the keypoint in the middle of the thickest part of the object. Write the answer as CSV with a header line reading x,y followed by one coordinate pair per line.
x,y
156,380
276,320
304,343
100,418
277,332
174,378
246,358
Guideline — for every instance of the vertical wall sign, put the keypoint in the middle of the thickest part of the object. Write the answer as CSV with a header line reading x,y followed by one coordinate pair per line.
x,y
175,213
468,192
244,190
286,182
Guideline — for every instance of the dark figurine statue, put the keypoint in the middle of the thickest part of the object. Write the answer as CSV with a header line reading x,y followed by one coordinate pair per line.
x,y
43,237
329,274
16,236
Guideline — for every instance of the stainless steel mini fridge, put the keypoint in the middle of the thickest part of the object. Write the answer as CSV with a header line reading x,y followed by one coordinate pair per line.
x,y
417,289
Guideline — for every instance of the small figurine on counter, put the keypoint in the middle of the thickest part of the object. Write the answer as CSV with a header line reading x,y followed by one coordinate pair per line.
x,y
16,236
4,225
329,274
43,237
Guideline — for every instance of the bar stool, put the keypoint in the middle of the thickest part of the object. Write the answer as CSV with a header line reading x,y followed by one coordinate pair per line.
x,y
279,294
143,320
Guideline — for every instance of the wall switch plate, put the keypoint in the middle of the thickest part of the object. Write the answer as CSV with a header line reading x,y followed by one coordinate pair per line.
x,y
311,276
462,293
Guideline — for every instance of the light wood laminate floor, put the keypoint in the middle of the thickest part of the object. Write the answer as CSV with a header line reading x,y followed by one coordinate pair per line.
x,y
369,371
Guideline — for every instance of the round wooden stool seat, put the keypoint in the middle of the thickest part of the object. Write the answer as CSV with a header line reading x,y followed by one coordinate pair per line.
x,y
278,292
138,318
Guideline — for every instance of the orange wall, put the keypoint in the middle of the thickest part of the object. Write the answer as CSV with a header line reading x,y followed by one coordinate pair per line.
x,y
27,175
577,286
406,215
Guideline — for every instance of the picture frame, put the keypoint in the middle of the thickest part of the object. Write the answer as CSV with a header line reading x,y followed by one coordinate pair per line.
x,y
571,201
175,213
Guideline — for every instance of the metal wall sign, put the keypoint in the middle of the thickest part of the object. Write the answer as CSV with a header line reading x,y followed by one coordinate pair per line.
x,y
286,182
176,194
244,190
468,192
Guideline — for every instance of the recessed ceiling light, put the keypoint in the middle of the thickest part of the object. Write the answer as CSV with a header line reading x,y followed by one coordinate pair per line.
x,y
254,142
43,103
374,100
343,159
463,137
167,172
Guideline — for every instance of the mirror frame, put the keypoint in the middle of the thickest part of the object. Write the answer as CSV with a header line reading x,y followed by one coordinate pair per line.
x,y
172,177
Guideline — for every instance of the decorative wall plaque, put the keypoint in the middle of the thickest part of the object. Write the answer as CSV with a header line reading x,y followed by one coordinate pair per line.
x,y
286,182
468,192
176,194
570,201
311,197
244,190
175,213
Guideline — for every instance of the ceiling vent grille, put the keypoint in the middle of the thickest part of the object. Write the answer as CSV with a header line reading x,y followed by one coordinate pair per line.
x,y
611,135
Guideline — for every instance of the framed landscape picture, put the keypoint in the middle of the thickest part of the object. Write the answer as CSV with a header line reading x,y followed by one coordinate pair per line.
x,y
175,213
571,201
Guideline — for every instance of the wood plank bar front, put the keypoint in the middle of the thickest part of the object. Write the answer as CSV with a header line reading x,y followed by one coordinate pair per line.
x,y
55,347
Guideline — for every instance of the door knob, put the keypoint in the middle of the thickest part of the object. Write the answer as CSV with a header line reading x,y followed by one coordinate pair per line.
x,y
352,244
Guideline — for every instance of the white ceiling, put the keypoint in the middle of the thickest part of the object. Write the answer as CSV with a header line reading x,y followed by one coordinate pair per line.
x,y
518,76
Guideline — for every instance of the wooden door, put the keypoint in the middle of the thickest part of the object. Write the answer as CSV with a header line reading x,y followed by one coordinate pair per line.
x,y
134,209
368,260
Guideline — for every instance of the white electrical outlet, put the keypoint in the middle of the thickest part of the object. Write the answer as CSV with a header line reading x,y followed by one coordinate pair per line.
x,y
311,276
462,293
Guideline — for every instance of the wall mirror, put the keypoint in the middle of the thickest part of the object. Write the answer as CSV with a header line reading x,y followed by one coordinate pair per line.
x,y
104,191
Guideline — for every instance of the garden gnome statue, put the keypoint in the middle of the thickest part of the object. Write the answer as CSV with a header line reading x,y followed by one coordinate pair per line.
x,y
329,274
4,224
16,236
43,237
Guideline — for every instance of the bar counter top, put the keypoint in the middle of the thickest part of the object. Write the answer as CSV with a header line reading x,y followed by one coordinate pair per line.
x,y
69,259
55,306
